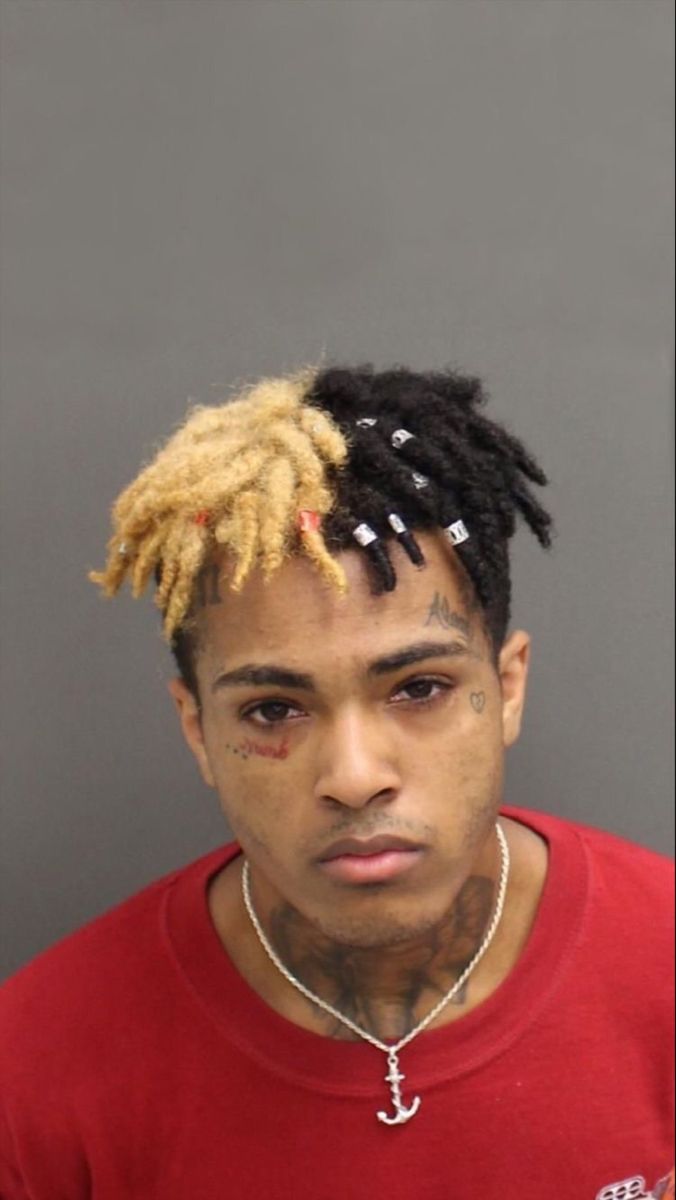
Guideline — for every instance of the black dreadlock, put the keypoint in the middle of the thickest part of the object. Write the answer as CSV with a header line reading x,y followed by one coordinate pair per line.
x,y
475,470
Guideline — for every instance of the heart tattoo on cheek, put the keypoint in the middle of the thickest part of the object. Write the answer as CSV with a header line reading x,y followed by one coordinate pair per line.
x,y
478,701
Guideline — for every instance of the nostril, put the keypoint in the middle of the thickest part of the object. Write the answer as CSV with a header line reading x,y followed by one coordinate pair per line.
x,y
352,799
385,794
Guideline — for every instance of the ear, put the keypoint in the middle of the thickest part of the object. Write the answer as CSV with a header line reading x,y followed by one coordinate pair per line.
x,y
191,725
513,671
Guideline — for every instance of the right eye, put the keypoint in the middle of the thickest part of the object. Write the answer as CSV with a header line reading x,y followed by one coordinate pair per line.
x,y
270,712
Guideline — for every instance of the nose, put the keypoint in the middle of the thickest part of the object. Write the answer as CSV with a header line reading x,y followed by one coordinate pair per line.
x,y
356,762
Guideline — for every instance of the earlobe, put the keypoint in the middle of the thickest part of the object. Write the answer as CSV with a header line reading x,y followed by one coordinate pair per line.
x,y
513,670
191,726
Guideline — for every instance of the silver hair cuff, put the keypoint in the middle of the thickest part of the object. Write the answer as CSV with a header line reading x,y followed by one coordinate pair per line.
x,y
457,532
364,535
400,436
396,523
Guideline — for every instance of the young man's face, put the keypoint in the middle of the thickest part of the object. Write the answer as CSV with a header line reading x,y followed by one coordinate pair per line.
x,y
365,745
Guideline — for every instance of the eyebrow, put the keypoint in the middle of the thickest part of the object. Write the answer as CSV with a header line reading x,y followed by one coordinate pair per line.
x,y
417,653
257,674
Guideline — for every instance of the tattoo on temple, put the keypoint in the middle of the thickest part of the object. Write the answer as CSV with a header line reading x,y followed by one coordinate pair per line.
x,y
341,974
441,611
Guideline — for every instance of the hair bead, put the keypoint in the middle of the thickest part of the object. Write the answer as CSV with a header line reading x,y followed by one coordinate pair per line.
x,y
308,521
400,436
406,539
457,532
396,523
364,535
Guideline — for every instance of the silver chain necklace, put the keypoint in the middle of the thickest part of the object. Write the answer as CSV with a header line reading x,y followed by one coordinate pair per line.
x,y
394,1076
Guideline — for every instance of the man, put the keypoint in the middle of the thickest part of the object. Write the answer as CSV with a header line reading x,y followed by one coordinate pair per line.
x,y
390,984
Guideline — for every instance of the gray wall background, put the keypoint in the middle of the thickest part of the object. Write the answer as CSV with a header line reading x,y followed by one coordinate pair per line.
x,y
196,192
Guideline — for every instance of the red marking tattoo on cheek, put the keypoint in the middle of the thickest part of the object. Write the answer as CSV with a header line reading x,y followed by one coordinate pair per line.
x,y
261,751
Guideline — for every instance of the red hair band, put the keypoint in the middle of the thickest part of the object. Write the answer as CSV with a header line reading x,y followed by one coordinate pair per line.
x,y
308,520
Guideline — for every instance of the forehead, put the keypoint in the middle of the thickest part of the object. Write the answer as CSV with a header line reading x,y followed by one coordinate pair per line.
x,y
296,616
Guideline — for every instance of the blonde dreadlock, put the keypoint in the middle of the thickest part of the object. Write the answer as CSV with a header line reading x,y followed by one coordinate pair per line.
x,y
234,476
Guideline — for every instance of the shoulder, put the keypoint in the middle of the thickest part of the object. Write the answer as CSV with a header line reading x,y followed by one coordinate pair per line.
x,y
95,965
607,850
626,881
612,901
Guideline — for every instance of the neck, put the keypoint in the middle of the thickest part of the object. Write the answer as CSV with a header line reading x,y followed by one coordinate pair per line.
x,y
385,990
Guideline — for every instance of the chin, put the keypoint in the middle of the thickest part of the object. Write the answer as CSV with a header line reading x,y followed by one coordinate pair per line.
x,y
377,931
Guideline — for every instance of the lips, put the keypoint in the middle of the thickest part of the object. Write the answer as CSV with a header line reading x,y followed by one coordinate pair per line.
x,y
355,862
358,848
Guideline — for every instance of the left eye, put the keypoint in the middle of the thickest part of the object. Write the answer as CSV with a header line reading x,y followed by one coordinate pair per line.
x,y
423,689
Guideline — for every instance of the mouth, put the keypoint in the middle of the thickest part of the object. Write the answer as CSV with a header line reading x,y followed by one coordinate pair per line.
x,y
374,861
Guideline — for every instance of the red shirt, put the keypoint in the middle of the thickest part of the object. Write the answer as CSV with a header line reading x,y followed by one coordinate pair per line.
x,y
137,1063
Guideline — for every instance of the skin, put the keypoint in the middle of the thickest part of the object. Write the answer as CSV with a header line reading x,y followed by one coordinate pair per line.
x,y
417,752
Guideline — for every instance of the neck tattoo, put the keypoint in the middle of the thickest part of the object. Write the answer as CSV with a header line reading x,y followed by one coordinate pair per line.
x,y
394,1077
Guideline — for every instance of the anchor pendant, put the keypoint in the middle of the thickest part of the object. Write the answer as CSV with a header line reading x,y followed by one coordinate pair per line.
x,y
394,1078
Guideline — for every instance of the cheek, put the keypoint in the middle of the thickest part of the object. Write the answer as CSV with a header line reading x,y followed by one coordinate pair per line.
x,y
473,735
468,758
256,784
469,776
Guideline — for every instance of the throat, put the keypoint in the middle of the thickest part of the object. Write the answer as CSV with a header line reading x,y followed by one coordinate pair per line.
x,y
385,991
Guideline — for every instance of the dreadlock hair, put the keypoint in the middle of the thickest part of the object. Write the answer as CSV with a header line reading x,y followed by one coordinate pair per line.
x,y
369,452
